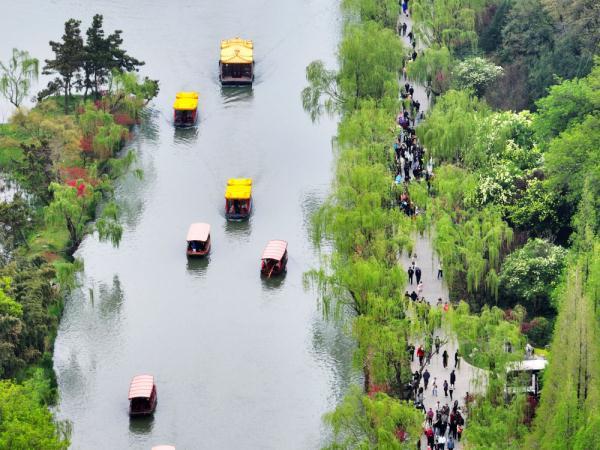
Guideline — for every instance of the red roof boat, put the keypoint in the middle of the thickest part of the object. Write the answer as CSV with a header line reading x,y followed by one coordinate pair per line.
x,y
198,239
142,395
274,258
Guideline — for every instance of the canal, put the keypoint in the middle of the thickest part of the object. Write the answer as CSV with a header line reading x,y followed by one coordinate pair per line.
x,y
239,362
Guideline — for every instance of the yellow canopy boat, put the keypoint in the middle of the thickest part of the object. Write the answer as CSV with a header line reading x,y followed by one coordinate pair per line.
x,y
185,108
236,63
238,198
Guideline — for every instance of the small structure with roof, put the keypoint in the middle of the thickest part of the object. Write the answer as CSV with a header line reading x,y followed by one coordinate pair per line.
x,y
198,239
274,258
236,64
185,109
142,395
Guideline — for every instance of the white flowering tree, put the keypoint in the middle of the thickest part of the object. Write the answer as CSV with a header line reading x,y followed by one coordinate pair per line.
x,y
476,73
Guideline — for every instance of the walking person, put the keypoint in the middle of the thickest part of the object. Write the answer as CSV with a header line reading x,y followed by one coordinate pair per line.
x,y
404,27
452,378
451,391
440,271
420,288
457,360
437,344
450,444
420,354
411,272
445,359
445,388
418,273
434,387
430,417
426,376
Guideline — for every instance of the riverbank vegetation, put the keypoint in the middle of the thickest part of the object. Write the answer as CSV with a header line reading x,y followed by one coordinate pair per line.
x,y
59,160
511,209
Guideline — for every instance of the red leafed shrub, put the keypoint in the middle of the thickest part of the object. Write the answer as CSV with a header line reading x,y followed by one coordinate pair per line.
x,y
87,144
124,119
73,173
401,435
80,187
375,388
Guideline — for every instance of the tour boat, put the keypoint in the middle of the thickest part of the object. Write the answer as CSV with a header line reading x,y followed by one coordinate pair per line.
x,y
185,109
238,198
274,258
142,395
236,65
198,239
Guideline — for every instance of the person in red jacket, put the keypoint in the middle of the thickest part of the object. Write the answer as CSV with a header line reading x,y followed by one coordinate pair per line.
x,y
420,354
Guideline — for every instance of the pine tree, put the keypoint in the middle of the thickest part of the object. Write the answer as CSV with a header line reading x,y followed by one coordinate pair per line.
x,y
68,58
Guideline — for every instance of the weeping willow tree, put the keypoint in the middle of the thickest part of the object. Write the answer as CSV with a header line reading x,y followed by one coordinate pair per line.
x,y
433,69
449,23
384,12
370,57
378,421
495,420
449,129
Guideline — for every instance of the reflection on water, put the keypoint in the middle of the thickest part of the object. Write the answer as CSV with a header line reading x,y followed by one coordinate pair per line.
x,y
273,283
334,346
149,127
236,94
141,425
240,229
186,136
197,266
111,300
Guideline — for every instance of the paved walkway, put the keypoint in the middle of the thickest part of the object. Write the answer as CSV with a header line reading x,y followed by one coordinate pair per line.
x,y
467,376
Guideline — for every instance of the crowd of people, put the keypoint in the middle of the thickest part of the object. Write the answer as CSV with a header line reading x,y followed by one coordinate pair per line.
x,y
409,154
444,421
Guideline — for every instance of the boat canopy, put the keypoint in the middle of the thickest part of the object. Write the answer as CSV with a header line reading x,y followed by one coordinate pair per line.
x,y
274,250
141,386
198,232
237,51
186,101
238,189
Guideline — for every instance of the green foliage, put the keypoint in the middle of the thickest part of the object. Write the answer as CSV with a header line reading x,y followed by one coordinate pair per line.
x,y
567,103
573,157
496,425
448,23
26,316
26,422
370,59
433,69
364,422
8,307
483,337
530,274
450,143
68,59
476,73
384,12
321,83
16,76
528,31
491,36
102,55
568,408
72,206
